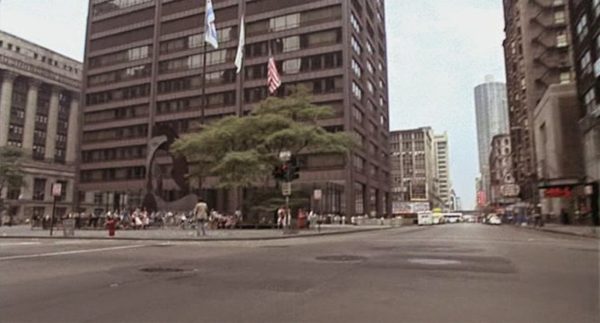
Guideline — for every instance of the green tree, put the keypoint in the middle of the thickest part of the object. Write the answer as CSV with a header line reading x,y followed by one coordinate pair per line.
x,y
11,173
242,151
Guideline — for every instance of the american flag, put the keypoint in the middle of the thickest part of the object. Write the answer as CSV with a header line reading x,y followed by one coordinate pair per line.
x,y
273,80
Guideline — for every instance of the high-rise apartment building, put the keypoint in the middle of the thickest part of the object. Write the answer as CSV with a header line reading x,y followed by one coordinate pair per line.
x,y
442,156
585,27
143,79
491,112
414,181
39,112
538,53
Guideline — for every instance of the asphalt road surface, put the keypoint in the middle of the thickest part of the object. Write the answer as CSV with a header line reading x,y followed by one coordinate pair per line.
x,y
450,273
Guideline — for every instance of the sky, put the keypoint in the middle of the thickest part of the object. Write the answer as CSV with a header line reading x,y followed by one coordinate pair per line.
x,y
438,51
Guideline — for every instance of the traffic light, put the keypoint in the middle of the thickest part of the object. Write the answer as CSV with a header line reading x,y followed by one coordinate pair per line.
x,y
293,170
279,173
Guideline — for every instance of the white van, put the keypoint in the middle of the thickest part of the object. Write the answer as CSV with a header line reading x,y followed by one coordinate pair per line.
x,y
425,218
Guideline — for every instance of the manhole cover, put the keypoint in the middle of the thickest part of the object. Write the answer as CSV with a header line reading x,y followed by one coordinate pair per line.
x,y
341,258
161,270
433,262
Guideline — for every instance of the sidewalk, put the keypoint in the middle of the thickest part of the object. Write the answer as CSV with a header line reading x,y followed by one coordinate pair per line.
x,y
25,231
574,230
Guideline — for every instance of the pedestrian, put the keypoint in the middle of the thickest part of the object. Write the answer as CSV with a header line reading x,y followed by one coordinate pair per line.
x,y
564,216
201,215
280,217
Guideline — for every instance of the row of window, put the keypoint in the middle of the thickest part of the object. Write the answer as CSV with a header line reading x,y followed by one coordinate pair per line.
x,y
122,56
195,103
111,154
132,92
32,54
115,5
116,114
126,74
138,131
111,174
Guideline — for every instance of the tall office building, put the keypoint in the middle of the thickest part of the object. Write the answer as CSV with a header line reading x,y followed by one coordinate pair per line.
x,y
537,54
442,156
492,119
414,181
39,112
143,78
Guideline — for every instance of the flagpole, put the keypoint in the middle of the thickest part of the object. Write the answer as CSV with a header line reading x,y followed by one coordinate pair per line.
x,y
204,100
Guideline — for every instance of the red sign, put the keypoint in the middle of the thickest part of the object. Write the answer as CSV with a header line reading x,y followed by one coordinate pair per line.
x,y
481,198
558,192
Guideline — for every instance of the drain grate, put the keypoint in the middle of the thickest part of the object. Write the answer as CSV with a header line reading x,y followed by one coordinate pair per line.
x,y
341,258
161,270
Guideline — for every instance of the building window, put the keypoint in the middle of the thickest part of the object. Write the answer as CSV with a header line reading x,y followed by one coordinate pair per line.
x,y
284,22
354,22
561,39
370,67
39,189
355,46
291,66
589,100
582,28
586,63
565,77
559,17
370,48
357,91
356,68
596,5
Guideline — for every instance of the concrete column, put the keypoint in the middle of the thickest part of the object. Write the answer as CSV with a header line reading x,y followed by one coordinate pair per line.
x,y
32,98
27,188
73,134
52,125
8,79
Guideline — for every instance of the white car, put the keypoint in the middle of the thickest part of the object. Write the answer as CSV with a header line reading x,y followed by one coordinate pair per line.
x,y
494,220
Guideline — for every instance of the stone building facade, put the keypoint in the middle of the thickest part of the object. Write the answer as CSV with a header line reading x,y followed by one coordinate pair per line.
x,y
39,112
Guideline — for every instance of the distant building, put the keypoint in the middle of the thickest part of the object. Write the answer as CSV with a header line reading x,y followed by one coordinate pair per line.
x,y
502,182
585,27
442,154
491,111
39,112
414,182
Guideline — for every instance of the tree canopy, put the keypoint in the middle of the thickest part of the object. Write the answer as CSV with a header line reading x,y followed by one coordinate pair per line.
x,y
11,174
242,151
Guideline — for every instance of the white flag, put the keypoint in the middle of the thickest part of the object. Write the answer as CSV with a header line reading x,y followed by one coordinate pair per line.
x,y
210,30
239,56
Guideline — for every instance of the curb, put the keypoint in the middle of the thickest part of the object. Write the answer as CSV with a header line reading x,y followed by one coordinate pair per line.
x,y
283,237
572,234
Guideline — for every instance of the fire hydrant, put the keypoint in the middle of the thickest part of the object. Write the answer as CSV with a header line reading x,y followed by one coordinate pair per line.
x,y
111,225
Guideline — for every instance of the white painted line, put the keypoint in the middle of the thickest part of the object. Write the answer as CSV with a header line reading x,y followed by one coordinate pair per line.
x,y
6,244
71,252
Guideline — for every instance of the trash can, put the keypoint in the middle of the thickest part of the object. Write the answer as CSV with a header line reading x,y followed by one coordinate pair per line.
x,y
68,227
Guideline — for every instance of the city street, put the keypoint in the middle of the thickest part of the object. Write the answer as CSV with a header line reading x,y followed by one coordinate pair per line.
x,y
449,273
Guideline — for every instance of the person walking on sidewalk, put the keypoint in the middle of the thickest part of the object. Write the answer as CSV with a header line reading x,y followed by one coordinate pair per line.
x,y
201,215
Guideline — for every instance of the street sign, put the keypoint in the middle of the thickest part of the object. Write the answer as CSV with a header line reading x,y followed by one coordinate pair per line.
x,y
510,190
318,194
56,189
286,189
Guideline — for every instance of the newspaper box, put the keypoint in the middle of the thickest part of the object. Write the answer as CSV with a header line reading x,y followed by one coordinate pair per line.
x,y
69,227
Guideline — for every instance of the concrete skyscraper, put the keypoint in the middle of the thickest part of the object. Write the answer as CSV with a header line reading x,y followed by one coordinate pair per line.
x,y
492,119
442,155
143,75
